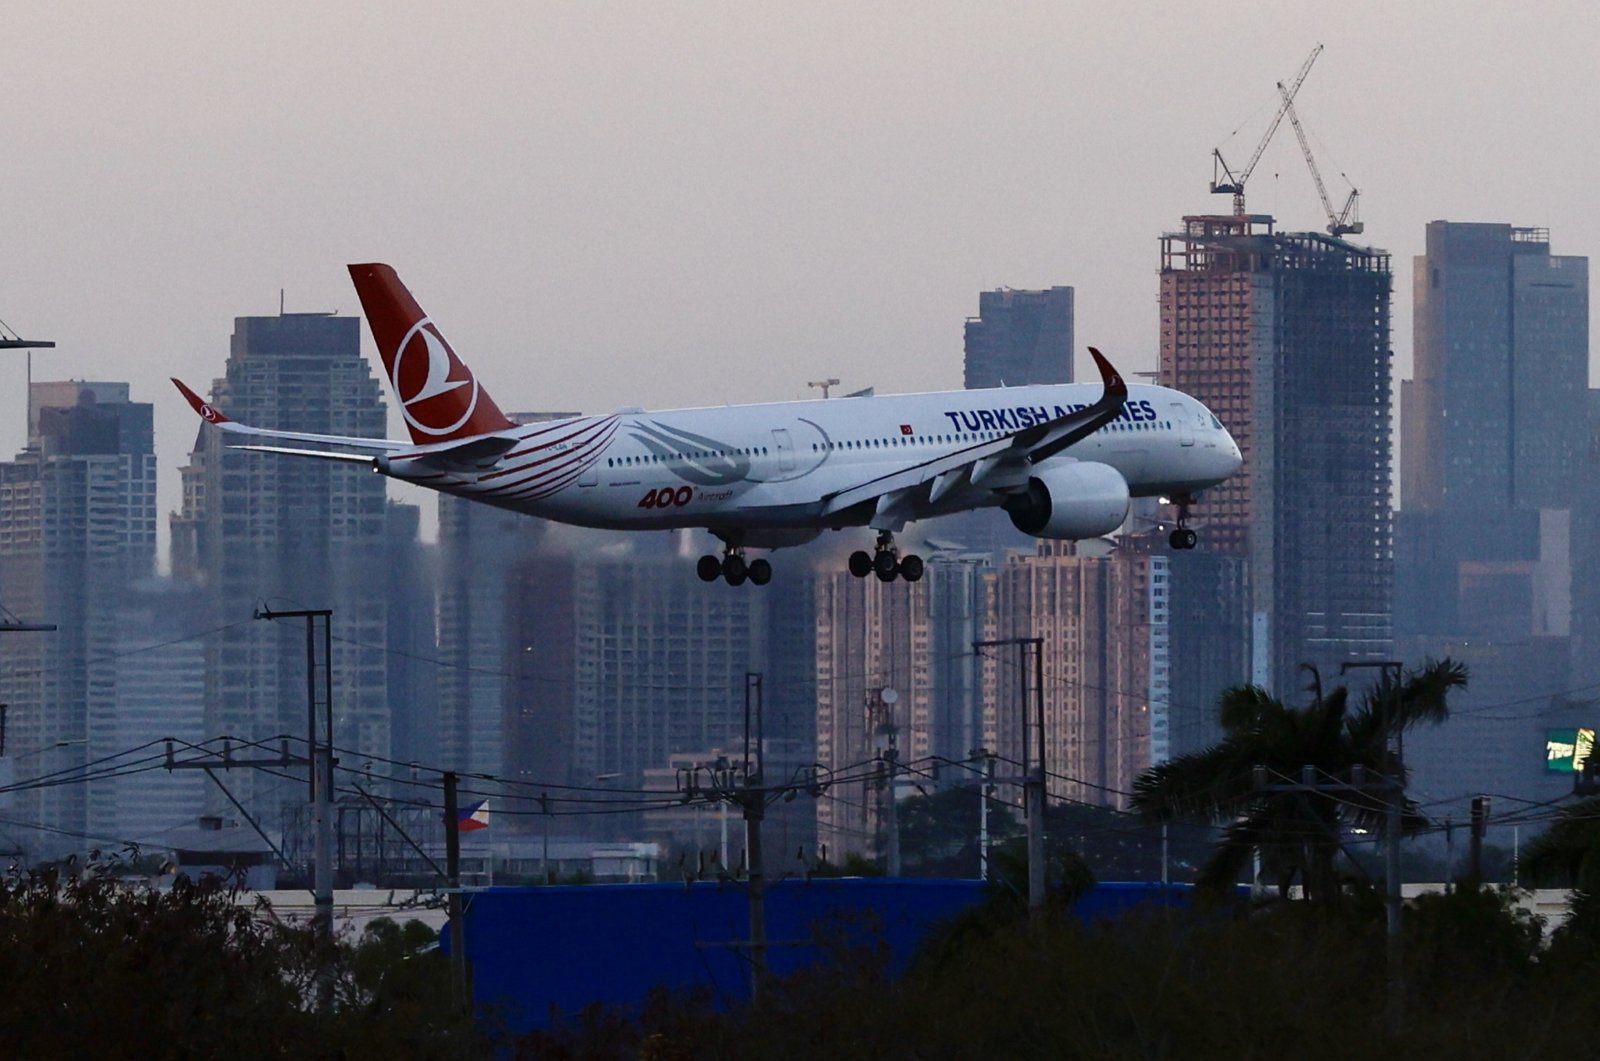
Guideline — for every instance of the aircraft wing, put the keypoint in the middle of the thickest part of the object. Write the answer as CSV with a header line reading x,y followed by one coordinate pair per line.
x,y
368,450
996,461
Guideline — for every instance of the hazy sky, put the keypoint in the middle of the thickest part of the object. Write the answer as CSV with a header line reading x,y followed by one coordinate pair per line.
x,y
608,204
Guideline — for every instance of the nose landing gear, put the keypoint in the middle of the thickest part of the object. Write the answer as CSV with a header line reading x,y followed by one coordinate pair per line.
x,y
886,562
1182,537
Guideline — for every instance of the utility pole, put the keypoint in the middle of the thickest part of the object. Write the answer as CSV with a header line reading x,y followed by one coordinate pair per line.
x,y
753,798
1034,772
1164,878
728,786
452,871
320,756
1480,825
1036,867
1392,790
755,807
1388,691
985,790
891,763
320,778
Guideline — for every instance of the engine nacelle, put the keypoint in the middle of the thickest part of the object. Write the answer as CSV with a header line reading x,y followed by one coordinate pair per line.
x,y
1076,500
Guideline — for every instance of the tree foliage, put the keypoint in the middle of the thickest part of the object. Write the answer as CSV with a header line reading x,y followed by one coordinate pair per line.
x,y
91,964
1290,980
1568,855
939,832
1298,832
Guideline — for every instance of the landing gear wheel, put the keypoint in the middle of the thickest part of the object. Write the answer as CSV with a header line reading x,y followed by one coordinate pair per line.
x,y
911,567
885,566
709,569
733,569
1183,537
760,572
861,563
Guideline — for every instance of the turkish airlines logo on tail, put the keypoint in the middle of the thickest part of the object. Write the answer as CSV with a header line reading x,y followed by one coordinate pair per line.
x,y
426,376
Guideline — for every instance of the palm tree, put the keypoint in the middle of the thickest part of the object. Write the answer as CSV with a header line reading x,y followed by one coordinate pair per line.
x,y
1297,831
1568,854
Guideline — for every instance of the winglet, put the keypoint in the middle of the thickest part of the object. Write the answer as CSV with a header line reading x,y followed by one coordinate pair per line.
x,y
1115,387
209,413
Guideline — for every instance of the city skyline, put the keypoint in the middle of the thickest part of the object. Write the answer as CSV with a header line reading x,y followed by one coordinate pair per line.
x,y
562,188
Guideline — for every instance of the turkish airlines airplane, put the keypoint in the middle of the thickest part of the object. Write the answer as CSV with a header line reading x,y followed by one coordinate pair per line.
x,y
1062,461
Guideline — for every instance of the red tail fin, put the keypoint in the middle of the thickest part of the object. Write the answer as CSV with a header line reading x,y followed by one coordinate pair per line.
x,y
438,395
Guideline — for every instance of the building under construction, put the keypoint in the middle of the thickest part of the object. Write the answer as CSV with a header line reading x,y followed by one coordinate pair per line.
x,y
1285,336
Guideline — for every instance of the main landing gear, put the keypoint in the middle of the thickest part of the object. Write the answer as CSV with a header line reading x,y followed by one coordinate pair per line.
x,y
733,569
886,562
1182,537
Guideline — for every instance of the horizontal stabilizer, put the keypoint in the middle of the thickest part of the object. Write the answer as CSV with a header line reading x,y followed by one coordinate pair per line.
x,y
216,417
321,454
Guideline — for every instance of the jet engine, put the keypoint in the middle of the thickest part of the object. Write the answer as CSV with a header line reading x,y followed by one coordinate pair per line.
x,y
1071,500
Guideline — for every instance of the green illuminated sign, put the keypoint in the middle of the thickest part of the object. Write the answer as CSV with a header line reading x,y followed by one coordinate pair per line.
x,y
1566,750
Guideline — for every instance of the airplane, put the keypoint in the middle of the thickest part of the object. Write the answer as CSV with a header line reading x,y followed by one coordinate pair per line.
x,y
1063,461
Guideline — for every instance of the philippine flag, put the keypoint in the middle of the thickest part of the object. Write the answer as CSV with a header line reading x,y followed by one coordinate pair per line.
x,y
473,816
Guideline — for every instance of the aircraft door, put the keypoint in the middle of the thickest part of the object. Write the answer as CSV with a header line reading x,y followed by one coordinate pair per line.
x,y
1180,421
785,447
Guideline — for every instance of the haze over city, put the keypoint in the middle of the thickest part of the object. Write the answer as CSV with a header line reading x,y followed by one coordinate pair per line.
x,y
1281,605
638,205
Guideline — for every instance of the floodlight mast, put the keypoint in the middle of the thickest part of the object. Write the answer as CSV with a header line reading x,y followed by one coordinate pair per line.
x,y
1234,185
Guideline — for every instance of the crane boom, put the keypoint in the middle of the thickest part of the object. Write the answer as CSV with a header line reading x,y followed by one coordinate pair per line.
x,y
1235,185
1338,223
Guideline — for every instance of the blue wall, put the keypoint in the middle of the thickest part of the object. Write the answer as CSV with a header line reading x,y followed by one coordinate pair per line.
x,y
538,953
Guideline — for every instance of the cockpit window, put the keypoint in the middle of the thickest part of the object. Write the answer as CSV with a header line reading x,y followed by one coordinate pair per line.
x,y
1216,423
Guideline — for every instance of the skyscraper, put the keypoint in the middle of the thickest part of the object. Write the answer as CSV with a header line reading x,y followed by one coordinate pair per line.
x,y
893,658
615,662
411,612
1495,417
257,529
77,529
1020,338
1102,621
1497,510
479,549
1285,336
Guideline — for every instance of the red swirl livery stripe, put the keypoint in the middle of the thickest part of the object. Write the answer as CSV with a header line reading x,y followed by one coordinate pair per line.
x,y
532,479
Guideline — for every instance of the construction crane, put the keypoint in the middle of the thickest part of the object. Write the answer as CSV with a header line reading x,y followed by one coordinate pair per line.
x,y
1234,185
1345,220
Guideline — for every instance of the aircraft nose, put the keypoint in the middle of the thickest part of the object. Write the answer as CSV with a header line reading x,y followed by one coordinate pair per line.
x,y
1232,458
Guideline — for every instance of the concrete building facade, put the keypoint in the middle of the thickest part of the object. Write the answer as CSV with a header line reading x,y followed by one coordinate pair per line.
x,y
1496,531
894,664
1285,336
1103,621
258,529
77,530
1020,338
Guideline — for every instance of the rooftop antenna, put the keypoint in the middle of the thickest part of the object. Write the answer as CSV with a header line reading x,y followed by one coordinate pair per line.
x,y
824,384
9,340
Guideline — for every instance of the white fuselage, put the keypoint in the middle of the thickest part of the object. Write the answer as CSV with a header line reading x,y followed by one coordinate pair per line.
x,y
772,466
